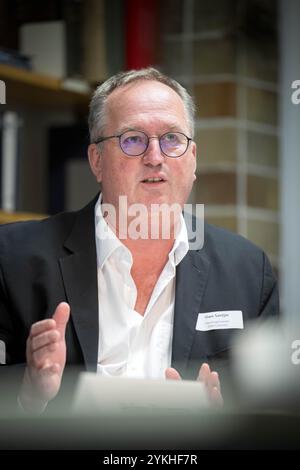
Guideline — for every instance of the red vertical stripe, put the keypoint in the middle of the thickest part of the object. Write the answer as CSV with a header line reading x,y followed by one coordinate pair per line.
x,y
141,29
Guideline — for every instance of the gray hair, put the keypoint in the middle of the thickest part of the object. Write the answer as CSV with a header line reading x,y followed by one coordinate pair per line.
x,y
97,106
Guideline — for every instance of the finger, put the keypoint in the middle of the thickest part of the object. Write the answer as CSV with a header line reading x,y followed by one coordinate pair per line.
x,y
50,369
172,374
42,357
214,380
28,350
216,397
41,326
204,373
44,339
61,317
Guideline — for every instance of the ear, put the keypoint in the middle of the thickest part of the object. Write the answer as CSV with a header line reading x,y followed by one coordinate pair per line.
x,y
95,161
194,153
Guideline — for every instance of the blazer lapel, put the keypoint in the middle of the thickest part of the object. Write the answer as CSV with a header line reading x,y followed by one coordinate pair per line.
x,y
79,272
191,278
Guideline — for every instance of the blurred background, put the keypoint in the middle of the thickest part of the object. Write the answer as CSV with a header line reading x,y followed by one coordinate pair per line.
x,y
238,58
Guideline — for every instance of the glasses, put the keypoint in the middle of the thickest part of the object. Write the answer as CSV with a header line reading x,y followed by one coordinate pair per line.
x,y
135,143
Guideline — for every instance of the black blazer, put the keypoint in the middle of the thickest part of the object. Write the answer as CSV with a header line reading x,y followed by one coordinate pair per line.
x,y
45,262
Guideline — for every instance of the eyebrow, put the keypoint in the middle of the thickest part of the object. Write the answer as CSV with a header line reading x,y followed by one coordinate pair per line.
x,y
172,127
127,128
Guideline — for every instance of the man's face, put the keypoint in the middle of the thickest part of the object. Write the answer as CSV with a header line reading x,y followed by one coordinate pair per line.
x,y
155,109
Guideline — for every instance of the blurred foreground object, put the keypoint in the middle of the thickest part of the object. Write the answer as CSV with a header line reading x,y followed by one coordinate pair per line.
x,y
265,366
118,396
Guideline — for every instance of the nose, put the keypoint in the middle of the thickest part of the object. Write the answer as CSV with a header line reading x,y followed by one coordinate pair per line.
x,y
153,155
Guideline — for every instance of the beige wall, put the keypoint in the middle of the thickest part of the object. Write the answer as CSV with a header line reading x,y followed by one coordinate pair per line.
x,y
226,54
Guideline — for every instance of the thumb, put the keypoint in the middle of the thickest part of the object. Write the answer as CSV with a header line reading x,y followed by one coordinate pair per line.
x,y
61,317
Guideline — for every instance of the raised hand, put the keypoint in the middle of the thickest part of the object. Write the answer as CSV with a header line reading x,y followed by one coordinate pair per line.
x,y
210,380
46,359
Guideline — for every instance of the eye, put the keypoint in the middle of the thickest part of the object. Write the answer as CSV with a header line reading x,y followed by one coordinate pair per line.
x,y
133,139
133,142
171,138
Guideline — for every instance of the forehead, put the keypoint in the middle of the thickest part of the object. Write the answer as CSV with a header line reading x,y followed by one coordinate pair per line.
x,y
145,100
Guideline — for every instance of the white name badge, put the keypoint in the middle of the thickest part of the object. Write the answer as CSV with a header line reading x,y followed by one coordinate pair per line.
x,y
221,320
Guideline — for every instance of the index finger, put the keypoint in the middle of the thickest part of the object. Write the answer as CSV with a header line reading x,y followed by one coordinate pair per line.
x,y
204,373
42,326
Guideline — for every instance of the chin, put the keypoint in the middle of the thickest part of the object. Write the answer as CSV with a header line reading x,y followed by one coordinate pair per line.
x,y
160,199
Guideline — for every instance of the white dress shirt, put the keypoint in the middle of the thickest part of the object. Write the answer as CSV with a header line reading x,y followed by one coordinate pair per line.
x,y
130,344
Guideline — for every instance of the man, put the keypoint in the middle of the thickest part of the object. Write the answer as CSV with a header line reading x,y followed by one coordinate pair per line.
x,y
124,305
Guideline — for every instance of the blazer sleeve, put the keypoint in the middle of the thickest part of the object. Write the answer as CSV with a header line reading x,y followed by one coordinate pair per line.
x,y
269,301
11,369
6,326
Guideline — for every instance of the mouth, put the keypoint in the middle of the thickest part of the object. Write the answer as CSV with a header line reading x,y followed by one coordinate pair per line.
x,y
154,180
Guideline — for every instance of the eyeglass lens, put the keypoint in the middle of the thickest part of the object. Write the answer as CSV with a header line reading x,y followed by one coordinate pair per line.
x,y
135,143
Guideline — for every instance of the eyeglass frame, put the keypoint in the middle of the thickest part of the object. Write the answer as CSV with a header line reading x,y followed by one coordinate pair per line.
x,y
103,139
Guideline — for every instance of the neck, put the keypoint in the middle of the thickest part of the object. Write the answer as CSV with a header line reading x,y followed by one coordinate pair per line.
x,y
149,249
147,227
148,234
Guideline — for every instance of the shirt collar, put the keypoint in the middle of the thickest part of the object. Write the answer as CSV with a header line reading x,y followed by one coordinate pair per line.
x,y
107,242
181,244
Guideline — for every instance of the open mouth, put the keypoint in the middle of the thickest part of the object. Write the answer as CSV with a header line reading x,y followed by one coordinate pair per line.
x,y
153,180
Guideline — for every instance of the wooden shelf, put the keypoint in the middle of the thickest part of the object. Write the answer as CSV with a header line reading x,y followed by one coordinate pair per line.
x,y
35,90
8,217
